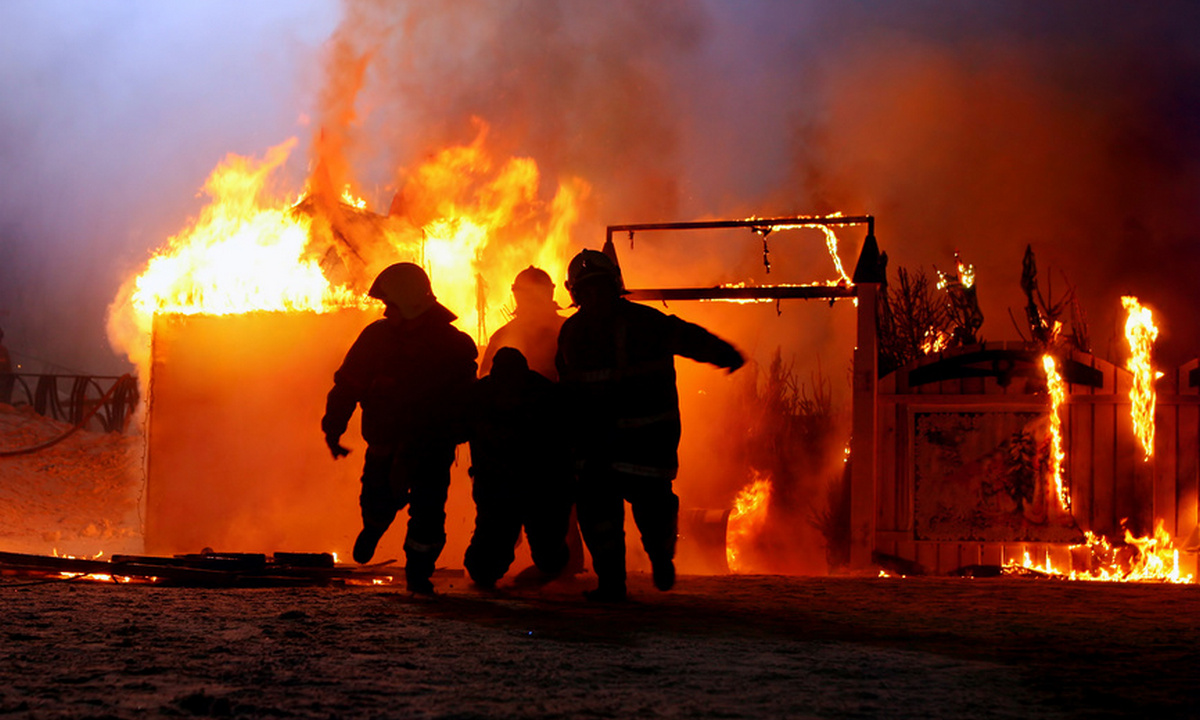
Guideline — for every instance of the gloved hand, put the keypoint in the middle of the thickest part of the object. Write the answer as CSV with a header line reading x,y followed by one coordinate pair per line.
x,y
734,361
335,446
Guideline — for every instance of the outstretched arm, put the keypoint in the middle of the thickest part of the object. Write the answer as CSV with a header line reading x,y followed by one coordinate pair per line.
x,y
692,341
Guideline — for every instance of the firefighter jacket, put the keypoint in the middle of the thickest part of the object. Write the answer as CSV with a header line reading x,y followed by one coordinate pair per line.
x,y
535,334
410,377
617,366
516,428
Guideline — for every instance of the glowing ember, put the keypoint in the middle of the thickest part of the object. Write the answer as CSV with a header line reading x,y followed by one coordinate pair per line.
x,y
831,243
1147,559
1141,333
935,341
1058,396
746,521
965,276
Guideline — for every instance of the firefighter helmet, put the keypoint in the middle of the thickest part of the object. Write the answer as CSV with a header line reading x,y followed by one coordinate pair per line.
x,y
532,278
593,266
533,287
405,286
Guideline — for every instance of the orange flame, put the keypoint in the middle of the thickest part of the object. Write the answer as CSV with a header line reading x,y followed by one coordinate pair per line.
x,y
1141,333
831,244
965,276
1155,559
746,520
471,222
1058,396
935,341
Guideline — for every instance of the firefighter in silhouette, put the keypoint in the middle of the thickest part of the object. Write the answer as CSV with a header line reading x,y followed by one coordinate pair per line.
x,y
534,332
410,372
616,360
534,327
520,469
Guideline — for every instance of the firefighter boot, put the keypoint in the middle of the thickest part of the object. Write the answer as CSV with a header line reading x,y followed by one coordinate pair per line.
x,y
664,573
418,569
364,546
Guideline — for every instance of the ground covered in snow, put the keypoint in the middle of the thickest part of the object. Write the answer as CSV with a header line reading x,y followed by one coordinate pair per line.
x,y
719,646
716,646
79,496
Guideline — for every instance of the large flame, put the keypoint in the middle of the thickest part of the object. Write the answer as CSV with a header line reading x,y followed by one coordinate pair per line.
x,y
481,223
238,256
1058,397
471,222
746,520
1141,333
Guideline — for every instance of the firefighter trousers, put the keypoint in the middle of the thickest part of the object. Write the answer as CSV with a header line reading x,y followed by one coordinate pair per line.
x,y
503,507
601,508
420,481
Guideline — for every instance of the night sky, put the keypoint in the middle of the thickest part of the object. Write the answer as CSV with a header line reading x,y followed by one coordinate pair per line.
x,y
980,127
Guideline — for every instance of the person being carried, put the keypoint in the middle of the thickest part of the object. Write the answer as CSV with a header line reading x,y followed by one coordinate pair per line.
x,y
616,361
520,471
534,332
410,372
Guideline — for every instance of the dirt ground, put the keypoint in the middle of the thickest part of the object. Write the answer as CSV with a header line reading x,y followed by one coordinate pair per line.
x,y
716,646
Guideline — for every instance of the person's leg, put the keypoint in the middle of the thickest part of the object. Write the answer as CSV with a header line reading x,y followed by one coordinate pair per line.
x,y
545,515
377,503
656,513
429,480
497,529
602,521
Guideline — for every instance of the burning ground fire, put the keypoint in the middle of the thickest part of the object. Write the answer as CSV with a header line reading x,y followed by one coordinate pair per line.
x,y
1153,558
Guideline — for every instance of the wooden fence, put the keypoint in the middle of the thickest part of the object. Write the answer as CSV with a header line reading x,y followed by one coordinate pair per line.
x,y
963,469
